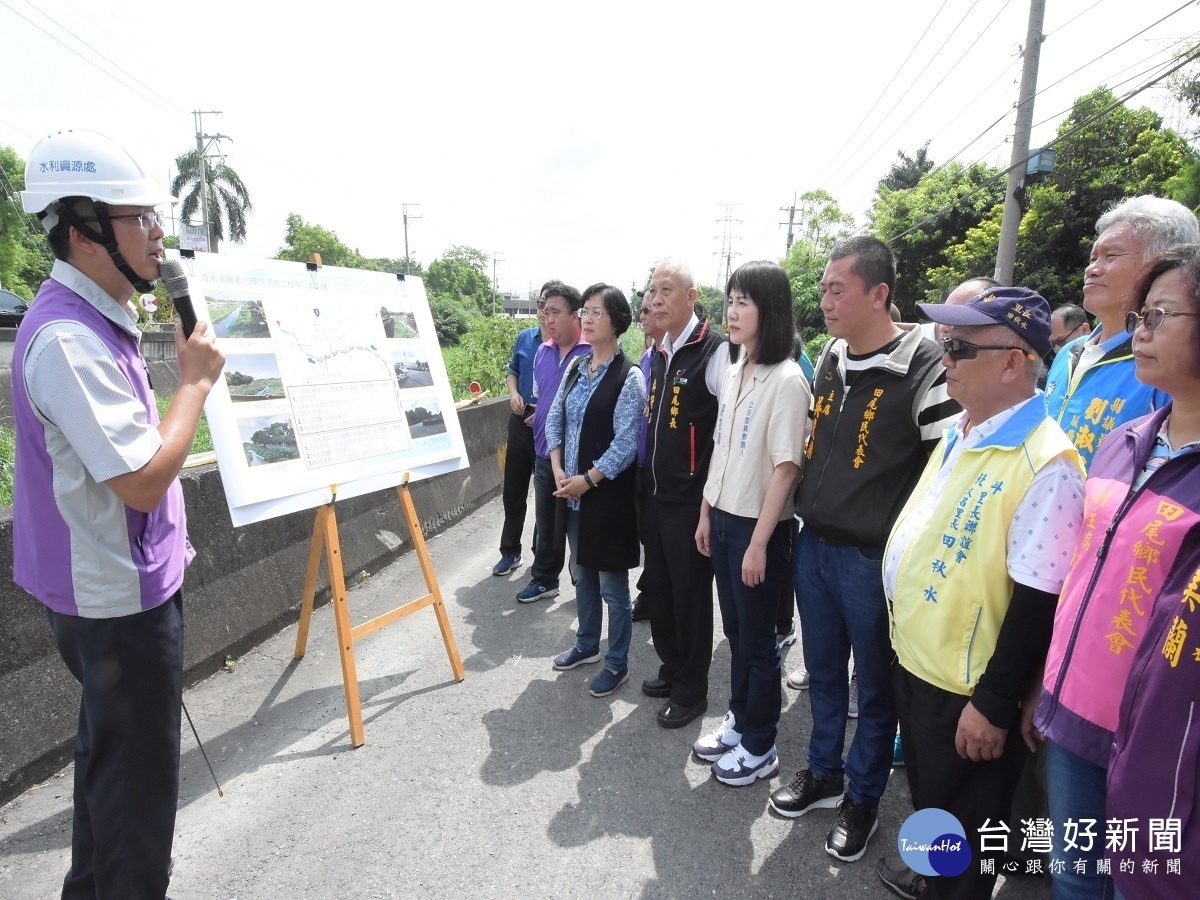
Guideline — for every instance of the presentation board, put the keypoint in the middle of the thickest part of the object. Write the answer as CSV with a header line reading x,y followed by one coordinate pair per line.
x,y
333,377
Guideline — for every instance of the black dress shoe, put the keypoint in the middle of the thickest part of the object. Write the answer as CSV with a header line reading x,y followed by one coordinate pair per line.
x,y
656,687
675,715
641,608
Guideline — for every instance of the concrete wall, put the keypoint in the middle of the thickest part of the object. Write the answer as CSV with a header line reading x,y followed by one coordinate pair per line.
x,y
244,585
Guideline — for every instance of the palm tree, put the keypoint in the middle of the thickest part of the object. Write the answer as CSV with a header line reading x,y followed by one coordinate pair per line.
x,y
228,199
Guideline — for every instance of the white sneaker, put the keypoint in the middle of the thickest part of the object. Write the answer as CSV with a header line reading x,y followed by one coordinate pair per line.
x,y
739,767
716,744
798,680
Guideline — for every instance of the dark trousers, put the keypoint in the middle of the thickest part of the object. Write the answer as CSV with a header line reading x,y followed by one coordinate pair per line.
x,y
518,469
679,583
550,533
127,750
973,792
748,617
784,622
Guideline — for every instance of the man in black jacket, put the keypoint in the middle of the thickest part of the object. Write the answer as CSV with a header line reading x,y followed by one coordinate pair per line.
x,y
879,407
685,380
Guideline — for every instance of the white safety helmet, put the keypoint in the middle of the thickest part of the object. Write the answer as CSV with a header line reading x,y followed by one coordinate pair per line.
x,y
86,164
89,165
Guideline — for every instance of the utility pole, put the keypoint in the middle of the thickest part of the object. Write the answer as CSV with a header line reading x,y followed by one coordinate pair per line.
x,y
725,254
201,149
495,259
1006,254
791,211
406,218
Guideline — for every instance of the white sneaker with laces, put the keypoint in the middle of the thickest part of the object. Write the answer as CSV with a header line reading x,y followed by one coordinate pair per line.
x,y
716,744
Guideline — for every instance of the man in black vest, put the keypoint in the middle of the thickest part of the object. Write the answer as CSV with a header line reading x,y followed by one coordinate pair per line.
x,y
879,407
685,382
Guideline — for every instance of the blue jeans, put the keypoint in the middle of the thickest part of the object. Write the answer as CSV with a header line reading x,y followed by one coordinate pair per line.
x,y
839,592
592,586
1077,790
748,615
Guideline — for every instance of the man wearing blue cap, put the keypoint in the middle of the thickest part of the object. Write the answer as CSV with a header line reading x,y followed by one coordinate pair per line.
x,y
972,571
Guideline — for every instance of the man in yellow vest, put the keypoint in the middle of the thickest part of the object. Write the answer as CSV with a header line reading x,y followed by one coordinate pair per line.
x,y
972,571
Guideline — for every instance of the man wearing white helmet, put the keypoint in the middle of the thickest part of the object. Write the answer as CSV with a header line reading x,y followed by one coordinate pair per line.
x,y
99,532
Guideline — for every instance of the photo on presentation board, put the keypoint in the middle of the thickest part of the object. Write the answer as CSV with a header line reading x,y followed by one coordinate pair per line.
x,y
398,323
410,362
252,377
268,439
424,415
237,315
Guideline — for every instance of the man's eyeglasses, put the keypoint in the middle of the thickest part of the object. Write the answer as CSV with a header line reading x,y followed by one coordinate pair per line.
x,y
958,349
541,304
585,314
1151,317
148,220
1057,343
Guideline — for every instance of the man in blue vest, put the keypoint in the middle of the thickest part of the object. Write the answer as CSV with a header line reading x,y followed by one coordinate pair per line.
x,y
1091,388
99,532
972,572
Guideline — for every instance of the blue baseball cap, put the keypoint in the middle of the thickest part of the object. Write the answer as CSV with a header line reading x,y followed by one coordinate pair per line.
x,y
1024,311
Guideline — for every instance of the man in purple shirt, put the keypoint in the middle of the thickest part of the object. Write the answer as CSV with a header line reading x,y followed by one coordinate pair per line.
x,y
549,364
99,532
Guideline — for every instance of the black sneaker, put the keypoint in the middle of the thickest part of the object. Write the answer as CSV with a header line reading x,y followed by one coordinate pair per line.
x,y
805,793
854,826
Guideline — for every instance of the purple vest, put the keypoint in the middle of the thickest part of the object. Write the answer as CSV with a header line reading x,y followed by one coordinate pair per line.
x,y
54,562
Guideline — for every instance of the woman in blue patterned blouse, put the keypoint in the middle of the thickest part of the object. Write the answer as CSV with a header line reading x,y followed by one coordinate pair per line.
x,y
592,431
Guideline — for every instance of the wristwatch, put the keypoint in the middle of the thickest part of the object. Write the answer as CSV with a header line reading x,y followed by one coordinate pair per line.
x,y
587,476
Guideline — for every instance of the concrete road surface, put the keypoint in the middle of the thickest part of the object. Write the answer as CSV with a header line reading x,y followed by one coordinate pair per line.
x,y
515,783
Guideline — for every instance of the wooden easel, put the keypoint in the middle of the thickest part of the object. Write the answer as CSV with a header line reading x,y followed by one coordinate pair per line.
x,y
325,537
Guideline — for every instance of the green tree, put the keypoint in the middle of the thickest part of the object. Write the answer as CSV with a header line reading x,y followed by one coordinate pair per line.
x,y
462,274
821,222
804,266
25,257
301,240
482,355
922,223
907,170
450,318
228,199
1125,153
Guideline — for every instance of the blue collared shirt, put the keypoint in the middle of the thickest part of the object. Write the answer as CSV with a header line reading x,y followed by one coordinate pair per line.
x,y
565,420
521,363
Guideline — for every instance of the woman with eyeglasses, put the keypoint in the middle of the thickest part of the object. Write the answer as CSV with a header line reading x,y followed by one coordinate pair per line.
x,y
746,514
592,431
1119,696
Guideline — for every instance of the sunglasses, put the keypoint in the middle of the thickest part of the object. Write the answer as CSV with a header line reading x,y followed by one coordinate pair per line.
x,y
1058,343
958,349
1151,318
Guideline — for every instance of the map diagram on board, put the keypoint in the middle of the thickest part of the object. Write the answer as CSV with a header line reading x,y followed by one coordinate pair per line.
x,y
333,379
342,386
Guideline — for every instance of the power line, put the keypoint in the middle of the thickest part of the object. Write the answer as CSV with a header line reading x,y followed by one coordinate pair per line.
x,y
1072,19
962,57
115,65
90,62
1120,101
1111,49
882,93
905,92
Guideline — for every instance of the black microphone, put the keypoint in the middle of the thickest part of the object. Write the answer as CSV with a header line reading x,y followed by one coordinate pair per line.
x,y
174,279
